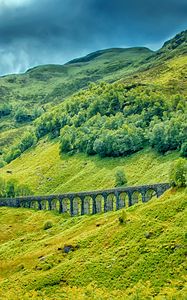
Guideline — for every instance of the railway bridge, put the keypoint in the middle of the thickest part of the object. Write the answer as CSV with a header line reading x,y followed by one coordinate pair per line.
x,y
89,202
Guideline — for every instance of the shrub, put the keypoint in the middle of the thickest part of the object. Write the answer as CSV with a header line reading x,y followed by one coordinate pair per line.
x,y
12,154
120,178
5,109
23,115
47,225
183,151
2,188
2,163
27,141
23,190
178,173
11,186
123,217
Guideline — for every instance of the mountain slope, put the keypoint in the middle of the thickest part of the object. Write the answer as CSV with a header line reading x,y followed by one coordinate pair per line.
x,y
47,83
46,172
142,259
40,88
155,89
141,108
43,87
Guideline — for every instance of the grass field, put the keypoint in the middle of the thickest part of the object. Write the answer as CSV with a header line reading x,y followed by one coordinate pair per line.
x,y
45,171
142,259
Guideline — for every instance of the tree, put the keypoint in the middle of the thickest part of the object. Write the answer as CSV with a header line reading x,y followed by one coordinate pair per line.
x,y
66,141
168,135
99,147
120,177
2,188
12,154
183,151
28,141
23,190
158,139
11,188
178,173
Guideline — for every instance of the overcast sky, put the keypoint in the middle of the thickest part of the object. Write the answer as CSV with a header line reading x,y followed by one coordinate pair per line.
x,y
34,32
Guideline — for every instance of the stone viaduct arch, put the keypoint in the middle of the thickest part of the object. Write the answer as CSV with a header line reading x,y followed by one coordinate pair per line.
x,y
91,202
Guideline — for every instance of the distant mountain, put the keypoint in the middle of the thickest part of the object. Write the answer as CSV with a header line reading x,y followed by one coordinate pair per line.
x,y
178,42
112,53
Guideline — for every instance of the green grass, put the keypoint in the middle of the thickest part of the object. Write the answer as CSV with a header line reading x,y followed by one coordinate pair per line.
x,y
45,171
142,259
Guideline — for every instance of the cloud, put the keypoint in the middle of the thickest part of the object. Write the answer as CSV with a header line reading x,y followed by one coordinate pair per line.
x,y
53,31
13,3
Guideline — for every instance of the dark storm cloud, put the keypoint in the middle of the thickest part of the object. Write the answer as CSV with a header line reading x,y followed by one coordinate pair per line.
x,y
52,31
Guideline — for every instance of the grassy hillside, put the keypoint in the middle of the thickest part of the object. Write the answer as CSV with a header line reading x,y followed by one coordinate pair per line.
x,y
142,259
76,138
40,88
47,83
158,90
45,171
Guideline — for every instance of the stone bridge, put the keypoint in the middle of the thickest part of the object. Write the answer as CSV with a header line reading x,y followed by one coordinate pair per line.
x,y
91,202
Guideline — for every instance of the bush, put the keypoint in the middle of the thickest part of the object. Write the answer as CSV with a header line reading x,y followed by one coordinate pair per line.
x,y
2,188
2,163
23,115
12,154
183,151
178,173
120,178
48,225
23,190
11,186
11,189
27,141
123,217
5,109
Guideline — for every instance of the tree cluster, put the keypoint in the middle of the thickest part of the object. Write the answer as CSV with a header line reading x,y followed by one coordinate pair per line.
x,y
113,120
29,139
11,189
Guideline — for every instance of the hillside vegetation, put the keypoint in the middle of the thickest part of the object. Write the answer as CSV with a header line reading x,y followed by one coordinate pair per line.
x,y
140,76
94,257
65,142
44,171
70,128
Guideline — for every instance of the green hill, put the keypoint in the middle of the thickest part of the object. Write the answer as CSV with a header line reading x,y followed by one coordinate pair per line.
x,y
24,97
69,128
40,88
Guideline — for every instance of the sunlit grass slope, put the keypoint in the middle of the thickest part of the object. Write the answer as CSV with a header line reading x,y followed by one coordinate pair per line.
x,y
142,259
171,75
46,172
